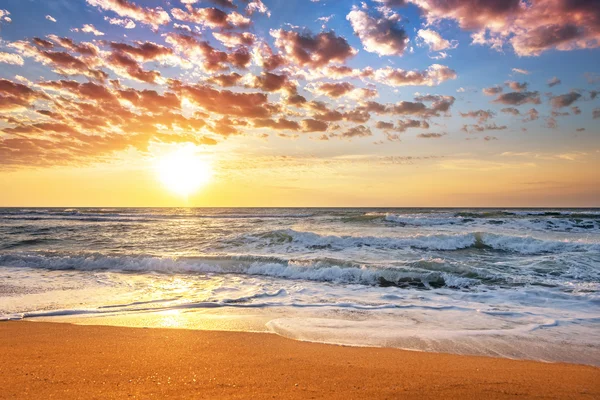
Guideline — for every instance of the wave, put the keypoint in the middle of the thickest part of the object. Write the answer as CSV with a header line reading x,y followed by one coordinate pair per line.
x,y
590,214
525,245
543,222
412,275
425,274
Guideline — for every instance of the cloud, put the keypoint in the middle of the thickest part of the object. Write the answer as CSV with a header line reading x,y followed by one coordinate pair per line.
x,y
325,20
518,98
440,105
354,132
434,40
380,35
564,100
264,57
481,115
491,91
596,113
270,82
220,3
233,39
16,96
125,8
203,54
481,128
553,81
431,135
551,123
279,124
226,80
89,28
520,71
9,58
384,125
511,110
314,51
257,6
403,125
125,23
62,62
313,125
211,17
392,3
432,76
334,90
531,28
4,16
143,51
516,86
532,115
88,50
225,102
50,18
128,67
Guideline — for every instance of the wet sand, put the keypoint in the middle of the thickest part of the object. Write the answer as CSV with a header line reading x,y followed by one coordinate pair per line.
x,y
63,361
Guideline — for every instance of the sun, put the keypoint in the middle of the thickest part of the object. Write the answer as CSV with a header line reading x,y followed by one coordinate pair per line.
x,y
183,171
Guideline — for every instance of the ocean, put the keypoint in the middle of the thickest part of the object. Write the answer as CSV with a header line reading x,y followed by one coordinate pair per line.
x,y
517,283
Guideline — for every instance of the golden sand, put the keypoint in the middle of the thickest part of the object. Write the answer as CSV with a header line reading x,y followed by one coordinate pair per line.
x,y
41,360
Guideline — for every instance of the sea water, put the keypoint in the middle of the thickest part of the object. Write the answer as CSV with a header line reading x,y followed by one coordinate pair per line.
x,y
518,283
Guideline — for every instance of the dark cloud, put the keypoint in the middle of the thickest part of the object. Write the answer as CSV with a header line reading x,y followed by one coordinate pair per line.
x,y
143,51
553,81
280,124
518,98
564,100
126,66
272,82
314,51
225,80
313,125
354,132
431,135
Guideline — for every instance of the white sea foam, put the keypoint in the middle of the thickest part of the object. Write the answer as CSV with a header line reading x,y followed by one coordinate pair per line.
x,y
510,243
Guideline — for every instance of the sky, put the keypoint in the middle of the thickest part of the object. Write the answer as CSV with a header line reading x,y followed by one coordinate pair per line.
x,y
380,103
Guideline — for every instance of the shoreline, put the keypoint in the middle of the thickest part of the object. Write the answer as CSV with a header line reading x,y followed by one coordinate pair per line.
x,y
46,359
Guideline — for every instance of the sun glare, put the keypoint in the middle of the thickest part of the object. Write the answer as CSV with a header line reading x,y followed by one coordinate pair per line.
x,y
183,171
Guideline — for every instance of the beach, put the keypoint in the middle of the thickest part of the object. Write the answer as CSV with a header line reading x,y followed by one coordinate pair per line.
x,y
66,361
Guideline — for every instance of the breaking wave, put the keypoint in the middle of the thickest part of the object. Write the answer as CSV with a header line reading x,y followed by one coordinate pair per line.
x,y
440,242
